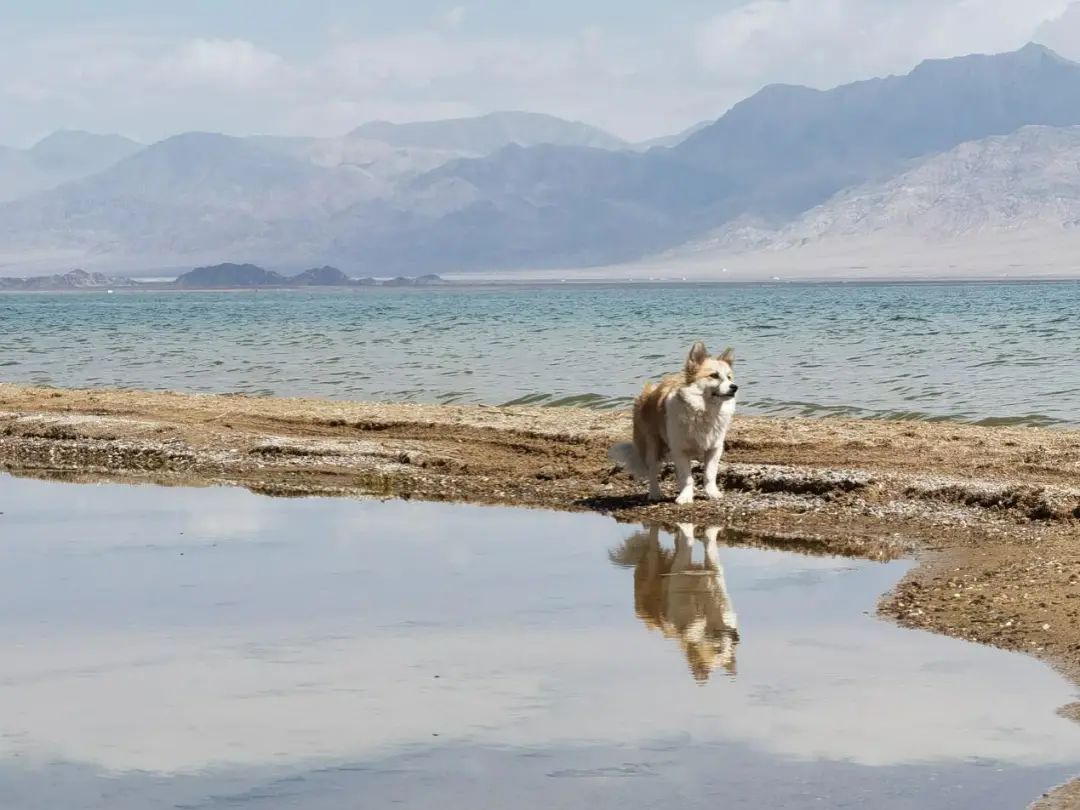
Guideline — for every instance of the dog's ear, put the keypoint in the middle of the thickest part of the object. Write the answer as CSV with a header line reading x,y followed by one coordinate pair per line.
x,y
698,355
728,357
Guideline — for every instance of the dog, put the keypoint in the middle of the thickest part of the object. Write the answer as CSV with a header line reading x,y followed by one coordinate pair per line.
x,y
686,601
686,416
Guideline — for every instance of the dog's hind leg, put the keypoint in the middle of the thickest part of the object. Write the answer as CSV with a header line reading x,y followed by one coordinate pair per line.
x,y
652,466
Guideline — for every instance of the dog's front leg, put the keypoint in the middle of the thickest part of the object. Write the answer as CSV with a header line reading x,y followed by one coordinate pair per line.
x,y
712,467
683,476
684,548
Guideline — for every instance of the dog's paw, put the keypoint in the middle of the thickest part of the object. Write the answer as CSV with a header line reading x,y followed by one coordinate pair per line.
x,y
713,493
685,497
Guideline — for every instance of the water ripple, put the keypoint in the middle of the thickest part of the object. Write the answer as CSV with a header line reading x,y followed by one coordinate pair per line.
x,y
987,353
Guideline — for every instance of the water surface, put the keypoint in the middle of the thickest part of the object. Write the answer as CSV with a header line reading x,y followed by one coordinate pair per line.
x,y
969,351
212,648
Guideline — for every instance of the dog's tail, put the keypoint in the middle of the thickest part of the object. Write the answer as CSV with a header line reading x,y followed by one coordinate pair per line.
x,y
626,455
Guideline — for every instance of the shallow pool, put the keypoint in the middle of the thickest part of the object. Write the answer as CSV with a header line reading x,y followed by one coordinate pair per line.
x,y
208,648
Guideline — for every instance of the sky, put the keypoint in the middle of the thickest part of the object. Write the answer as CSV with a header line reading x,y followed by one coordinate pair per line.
x,y
638,68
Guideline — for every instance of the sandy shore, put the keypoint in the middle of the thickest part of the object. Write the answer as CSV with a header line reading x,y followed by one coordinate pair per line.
x,y
991,514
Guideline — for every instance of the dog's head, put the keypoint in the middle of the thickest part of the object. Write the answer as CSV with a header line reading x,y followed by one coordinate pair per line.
x,y
714,377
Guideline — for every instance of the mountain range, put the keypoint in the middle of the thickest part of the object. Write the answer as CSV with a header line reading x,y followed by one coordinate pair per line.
x,y
955,150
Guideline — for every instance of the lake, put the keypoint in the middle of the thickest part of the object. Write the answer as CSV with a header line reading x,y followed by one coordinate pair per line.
x,y
977,352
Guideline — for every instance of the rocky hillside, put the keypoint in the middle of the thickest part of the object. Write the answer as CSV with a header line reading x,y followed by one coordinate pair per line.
x,y
1025,182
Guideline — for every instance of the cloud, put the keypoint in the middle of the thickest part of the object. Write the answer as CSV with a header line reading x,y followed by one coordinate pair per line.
x,y
234,63
635,82
236,85
1063,32
828,42
454,17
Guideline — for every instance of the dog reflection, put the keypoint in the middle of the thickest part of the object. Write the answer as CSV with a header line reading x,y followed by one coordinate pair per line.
x,y
685,601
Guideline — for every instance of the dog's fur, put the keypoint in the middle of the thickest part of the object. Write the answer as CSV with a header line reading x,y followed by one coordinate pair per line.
x,y
685,417
686,601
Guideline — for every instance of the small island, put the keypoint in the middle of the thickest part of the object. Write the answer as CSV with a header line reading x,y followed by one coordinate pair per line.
x,y
226,276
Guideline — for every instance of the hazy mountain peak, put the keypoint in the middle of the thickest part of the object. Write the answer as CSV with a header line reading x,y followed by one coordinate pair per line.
x,y
58,158
66,139
1036,50
199,140
481,135
1029,57
192,152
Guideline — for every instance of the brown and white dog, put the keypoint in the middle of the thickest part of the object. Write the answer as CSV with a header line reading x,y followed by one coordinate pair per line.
x,y
686,416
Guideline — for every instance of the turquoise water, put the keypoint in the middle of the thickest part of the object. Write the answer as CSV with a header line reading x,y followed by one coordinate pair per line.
x,y
979,352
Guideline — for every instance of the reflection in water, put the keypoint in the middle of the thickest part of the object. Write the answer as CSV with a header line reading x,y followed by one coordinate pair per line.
x,y
684,600
213,649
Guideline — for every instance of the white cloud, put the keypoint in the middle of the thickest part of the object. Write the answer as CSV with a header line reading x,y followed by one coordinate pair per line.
x,y
234,63
828,42
1062,33
234,85
454,17
637,84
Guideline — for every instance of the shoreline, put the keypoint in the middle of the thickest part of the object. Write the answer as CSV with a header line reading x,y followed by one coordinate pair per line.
x,y
991,515
481,282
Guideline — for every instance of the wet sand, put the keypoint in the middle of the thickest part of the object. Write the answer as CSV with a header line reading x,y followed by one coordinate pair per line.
x,y
992,514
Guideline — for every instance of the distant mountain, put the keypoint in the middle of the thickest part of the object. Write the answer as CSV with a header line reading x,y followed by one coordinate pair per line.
x,y
489,133
57,159
793,147
534,206
73,280
190,196
1025,182
75,153
207,169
